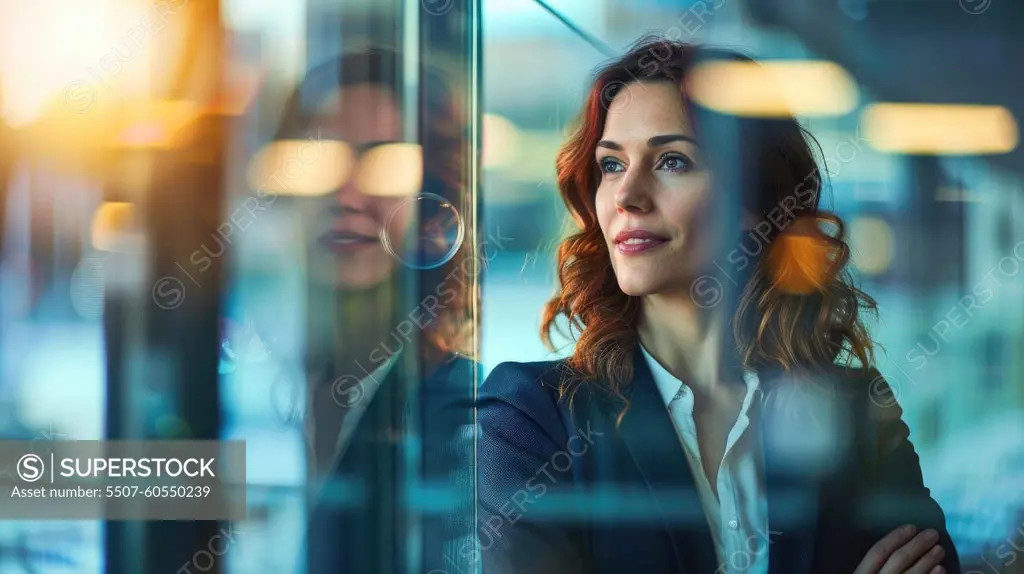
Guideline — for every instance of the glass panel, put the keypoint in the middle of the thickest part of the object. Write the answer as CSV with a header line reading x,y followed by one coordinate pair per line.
x,y
349,319
935,235
51,343
526,118
254,221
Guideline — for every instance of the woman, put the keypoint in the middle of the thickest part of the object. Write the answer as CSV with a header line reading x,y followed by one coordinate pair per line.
x,y
720,411
387,312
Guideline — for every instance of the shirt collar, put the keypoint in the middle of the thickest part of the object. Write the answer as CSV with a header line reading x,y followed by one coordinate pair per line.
x,y
669,386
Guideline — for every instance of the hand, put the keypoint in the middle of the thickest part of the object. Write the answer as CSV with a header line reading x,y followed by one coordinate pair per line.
x,y
901,552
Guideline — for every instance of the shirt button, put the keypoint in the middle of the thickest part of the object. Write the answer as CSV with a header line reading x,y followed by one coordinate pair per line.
x,y
734,524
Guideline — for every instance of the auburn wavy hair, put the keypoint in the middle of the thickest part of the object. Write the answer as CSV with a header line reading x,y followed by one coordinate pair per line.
x,y
775,329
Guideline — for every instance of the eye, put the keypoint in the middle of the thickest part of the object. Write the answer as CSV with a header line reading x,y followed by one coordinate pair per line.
x,y
609,165
676,163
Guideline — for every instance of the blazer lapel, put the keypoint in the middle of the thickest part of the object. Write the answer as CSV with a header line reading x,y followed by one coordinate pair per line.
x,y
651,439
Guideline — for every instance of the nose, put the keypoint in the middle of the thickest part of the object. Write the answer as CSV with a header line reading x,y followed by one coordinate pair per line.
x,y
633,194
349,199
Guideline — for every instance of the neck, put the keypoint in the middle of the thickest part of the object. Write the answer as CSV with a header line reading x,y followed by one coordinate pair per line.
x,y
688,340
352,329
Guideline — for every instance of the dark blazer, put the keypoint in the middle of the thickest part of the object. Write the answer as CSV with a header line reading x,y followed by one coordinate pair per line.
x,y
561,490
364,530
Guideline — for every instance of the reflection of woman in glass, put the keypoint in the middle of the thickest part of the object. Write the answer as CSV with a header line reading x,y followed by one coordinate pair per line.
x,y
377,296
720,411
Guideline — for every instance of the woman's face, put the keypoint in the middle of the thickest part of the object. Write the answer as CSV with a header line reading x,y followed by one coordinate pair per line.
x,y
344,228
653,200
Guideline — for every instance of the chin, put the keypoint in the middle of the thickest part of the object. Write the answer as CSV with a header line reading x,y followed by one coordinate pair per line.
x,y
353,272
636,286
362,278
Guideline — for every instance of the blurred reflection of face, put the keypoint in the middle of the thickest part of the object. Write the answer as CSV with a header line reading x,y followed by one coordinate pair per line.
x,y
344,228
653,197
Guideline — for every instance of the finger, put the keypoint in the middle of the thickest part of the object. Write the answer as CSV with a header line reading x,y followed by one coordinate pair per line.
x,y
911,552
880,552
929,561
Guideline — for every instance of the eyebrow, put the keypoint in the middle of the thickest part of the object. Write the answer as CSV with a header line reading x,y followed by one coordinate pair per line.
x,y
365,147
656,141
360,149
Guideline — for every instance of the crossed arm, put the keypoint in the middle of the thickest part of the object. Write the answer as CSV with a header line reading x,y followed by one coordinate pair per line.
x,y
913,538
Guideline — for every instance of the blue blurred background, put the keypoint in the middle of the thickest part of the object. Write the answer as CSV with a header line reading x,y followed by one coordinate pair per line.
x,y
927,227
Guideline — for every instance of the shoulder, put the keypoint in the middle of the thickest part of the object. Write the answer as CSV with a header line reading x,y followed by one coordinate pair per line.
x,y
455,370
867,388
528,386
515,379
450,384
514,393
864,392
876,401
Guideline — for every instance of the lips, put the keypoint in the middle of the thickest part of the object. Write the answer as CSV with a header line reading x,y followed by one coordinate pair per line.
x,y
344,241
632,241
